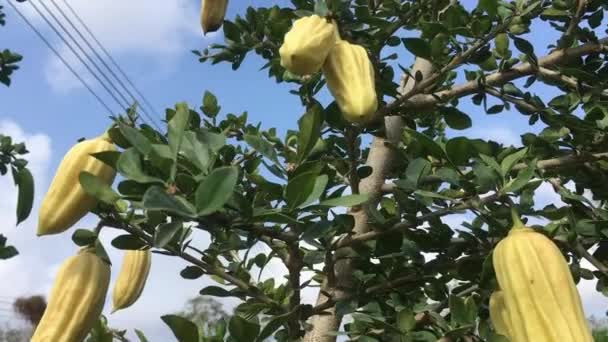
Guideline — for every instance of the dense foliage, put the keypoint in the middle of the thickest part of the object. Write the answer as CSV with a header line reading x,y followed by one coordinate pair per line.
x,y
389,263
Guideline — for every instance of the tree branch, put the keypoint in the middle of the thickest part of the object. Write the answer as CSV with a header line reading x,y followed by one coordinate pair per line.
x,y
519,102
498,78
574,21
433,77
580,249
251,290
546,164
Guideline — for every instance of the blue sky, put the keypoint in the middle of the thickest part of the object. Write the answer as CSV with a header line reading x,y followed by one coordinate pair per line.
x,y
152,39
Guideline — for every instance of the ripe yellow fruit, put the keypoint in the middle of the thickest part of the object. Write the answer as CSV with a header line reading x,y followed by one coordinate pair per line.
x,y
307,44
351,80
131,279
76,300
212,14
66,203
499,314
539,293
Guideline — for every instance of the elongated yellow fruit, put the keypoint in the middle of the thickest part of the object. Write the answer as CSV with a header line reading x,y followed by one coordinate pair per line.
x,y
66,203
131,279
307,44
539,293
499,314
212,14
76,300
350,79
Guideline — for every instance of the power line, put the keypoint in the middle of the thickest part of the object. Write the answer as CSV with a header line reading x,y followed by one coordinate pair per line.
x,y
86,41
67,65
105,51
65,41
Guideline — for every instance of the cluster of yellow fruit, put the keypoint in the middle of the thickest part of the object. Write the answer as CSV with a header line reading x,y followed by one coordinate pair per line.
x,y
79,292
314,44
212,14
538,300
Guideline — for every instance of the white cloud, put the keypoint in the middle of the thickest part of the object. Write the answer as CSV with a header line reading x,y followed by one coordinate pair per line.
x,y
155,29
501,135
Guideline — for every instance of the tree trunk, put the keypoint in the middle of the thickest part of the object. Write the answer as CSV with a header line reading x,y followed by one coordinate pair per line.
x,y
380,158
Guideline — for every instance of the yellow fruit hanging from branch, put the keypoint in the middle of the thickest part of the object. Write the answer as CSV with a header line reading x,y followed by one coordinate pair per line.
x,y
131,279
212,14
351,80
540,296
76,300
66,202
307,44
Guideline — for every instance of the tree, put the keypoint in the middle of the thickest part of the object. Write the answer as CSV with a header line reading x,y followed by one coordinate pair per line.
x,y
389,261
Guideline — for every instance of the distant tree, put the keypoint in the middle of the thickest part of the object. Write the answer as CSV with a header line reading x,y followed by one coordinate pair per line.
x,y
30,308
205,312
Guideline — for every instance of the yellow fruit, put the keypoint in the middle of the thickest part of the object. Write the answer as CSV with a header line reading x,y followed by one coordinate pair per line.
x,y
131,279
307,44
499,314
66,203
76,300
212,14
539,292
350,79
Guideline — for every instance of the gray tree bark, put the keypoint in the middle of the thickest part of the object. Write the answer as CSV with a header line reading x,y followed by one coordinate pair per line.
x,y
380,158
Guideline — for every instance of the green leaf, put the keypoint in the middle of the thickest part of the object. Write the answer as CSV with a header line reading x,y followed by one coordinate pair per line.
x,y
192,272
243,330
345,201
455,118
491,162
300,188
216,190
201,146
524,46
183,329
459,150
523,177
210,106
490,6
137,139
95,187
7,252
419,47
129,165
165,233
310,131
83,237
25,194
215,291
509,161
176,129
273,325
429,144
128,242
109,158
156,198
263,146
405,320
416,170
140,336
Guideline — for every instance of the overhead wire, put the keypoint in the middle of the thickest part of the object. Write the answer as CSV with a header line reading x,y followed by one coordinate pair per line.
x,y
86,41
61,58
124,104
112,60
